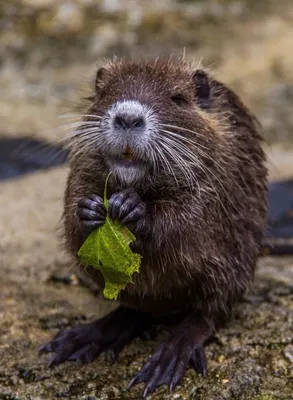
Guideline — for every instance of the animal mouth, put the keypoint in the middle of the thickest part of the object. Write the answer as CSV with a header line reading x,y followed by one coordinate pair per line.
x,y
126,158
128,153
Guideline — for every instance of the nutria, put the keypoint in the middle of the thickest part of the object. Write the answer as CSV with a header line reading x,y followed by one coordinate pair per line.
x,y
189,179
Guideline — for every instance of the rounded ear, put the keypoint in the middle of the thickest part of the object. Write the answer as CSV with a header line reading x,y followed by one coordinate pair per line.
x,y
100,83
100,76
202,87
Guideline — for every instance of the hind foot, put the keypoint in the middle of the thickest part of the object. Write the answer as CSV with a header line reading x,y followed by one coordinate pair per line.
x,y
169,363
111,333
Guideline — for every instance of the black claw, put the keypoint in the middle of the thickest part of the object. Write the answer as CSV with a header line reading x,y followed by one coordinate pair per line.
x,y
153,382
85,213
180,366
55,360
91,213
132,382
85,354
126,207
177,377
48,347
114,206
134,215
94,203
51,363
148,390
92,224
199,361
139,378
44,348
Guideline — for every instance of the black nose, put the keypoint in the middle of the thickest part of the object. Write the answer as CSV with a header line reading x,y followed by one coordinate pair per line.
x,y
128,121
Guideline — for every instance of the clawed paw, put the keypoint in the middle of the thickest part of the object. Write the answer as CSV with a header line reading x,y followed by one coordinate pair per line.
x,y
126,207
110,334
91,213
168,365
76,344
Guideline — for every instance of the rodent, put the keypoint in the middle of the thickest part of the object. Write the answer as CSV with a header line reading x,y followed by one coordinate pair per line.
x,y
189,179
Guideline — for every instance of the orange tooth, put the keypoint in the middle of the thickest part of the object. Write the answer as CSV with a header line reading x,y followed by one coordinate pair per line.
x,y
128,153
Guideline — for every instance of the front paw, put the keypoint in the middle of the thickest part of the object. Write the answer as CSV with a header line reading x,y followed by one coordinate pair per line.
x,y
127,207
91,213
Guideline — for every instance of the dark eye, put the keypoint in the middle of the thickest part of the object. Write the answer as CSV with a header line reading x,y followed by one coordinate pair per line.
x,y
179,99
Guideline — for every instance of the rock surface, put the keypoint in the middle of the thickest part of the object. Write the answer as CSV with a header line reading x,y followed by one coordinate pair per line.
x,y
252,358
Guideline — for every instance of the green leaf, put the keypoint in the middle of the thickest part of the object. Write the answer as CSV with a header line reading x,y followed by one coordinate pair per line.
x,y
107,249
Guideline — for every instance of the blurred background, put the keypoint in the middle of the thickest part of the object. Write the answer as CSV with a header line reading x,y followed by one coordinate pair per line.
x,y
49,52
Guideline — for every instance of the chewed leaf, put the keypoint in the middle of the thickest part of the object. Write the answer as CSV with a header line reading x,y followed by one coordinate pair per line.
x,y
89,250
112,290
107,249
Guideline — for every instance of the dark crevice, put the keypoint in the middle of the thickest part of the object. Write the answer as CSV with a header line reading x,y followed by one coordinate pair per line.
x,y
19,156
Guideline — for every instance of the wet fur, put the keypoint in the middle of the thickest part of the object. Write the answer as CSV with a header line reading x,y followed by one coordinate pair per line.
x,y
200,244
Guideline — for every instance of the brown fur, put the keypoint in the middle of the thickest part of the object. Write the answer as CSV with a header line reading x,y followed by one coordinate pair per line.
x,y
201,244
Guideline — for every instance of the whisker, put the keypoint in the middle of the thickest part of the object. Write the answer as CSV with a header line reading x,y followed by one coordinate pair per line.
x,y
77,136
171,147
182,129
152,155
175,145
86,147
75,125
204,169
79,116
180,164
89,137
206,155
67,115
96,116
94,141
187,140
166,162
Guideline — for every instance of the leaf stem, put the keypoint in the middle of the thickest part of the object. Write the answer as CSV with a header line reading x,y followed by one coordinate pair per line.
x,y
106,203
